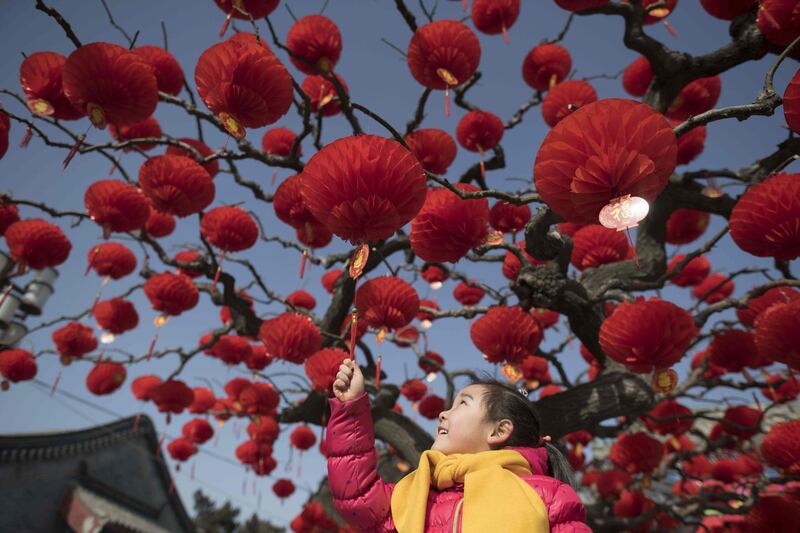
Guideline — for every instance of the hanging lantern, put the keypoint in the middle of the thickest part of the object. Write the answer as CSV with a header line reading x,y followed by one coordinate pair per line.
x,y
468,293
188,256
637,77
696,98
435,149
493,17
595,245
111,259
636,452
212,168
690,144
509,218
302,438
279,141
170,293
749,315
259,358
181,449
289,205
290,336
110,84
693,273
159,224
264,430
142,387
168,73
148,127
565,98
604,151
777,332
37,244
580,5
512,265
230,349
426,319
172,396
545,66
116,316
624,212
245,10
203,400
229,228
733,350
198,430
742,422
330,278
176,185
506,334
323,95
40,77
105,378
16,365
8,215
779,21
713,288
321,368
781,389
414,390
781,447
302,299
434,275
74,340
430,406
479,131
686,225
244,85
386,303
791,103
669,417
317,40
116,206
727,9
633,503
283,488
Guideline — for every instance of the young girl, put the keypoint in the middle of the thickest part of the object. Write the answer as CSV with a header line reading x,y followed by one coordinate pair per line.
x,y
488,469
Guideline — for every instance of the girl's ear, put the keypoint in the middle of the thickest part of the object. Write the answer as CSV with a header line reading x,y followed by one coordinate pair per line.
x,y
501,432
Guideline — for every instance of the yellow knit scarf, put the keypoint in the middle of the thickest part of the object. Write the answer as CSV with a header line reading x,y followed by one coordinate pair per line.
x,y
496,498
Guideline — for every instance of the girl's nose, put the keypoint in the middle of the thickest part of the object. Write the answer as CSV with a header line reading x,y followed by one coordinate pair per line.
x,y
441,416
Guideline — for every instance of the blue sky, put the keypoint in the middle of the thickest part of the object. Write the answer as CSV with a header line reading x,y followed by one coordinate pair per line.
x,y
379,79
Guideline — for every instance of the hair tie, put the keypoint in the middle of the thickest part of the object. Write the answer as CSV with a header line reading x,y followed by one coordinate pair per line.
x,y
523,391
544,439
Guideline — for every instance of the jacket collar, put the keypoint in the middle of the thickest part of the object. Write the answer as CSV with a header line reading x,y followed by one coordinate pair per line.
x,y
537,457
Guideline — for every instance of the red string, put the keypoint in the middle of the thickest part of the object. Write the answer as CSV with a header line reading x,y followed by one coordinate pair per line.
x,y
73,151
378,372
26,139
447,101
303,263
55,383
225,23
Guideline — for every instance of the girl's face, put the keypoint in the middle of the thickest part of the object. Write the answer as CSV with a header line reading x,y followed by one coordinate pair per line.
x,y
463,428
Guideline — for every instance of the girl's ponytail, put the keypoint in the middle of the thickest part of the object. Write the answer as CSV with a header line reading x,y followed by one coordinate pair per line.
x,y
558,465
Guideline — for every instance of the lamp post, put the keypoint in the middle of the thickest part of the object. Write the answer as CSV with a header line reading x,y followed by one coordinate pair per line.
x,y
22,301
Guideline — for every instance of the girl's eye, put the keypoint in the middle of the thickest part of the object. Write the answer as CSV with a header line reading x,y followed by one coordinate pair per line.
x,y
462,401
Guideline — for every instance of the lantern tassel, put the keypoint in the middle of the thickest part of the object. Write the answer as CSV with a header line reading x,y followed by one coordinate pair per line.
x,y
225,24
218,272
378,373
670,29
152,347
274,177
26,139
136,423
303,263
464,4
483,164
55,383
447,101
73,151
506,38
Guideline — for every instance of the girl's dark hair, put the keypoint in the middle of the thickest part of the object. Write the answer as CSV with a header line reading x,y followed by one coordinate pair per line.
x,y
500,401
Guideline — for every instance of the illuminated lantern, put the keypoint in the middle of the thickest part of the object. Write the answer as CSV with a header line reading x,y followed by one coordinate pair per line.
x,y
330,278
756,306
110,84
8,215
266,429
713,289
778,332
727,9
637,77
323,95
595,245
116,315
690,144
279,141
229,228
447,227
289,205
603,152
172,294
430,406
495,16
111,259
697,97
435,149
509,218
693,273
290,336
781,389
414,390
212,168
442,55
116,206
623,213
734,350
321,368
781,447
244,85
302,438
565,98
468,294
363,188
74,340
686,225
512,265
478,131
764,220
545,66
430,368
37,244
181,449
317,40
198,430
779,21
434,274
245,10
302,299
387,302
647,335
202,401
176,185
172,396
636,452
105,378
142,387
41,80
159,224
283,488
506,334
669,418
16,365
168,73
741,421
791,103
580,5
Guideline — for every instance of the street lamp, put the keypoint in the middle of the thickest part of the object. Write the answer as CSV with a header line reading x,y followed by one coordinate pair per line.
x,y
18,303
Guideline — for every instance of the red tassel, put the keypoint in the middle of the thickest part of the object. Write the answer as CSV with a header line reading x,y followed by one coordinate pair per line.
x,y
483,165
95,251
670,29
26,139
73,151
224,27
55,383
506,38
274,176
378,373
447,101
303,263
464,4
152,347
218,272
136,423
160,443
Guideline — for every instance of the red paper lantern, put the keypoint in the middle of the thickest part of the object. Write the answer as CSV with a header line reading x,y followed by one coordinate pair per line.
x,y
755,306
693,273
781,389
702,358
116,315
330,278
148,127
791,103
435,149
41,80
447,227
317,40
512,265
363,188
168,73
443,54
323,95
116,206
565,98
265,429
111,259
697,97
593,156
387,302
636,452
314,235
74,340
259,398
181,449
427,367
229,228
109,83
690,144
245,9
764,220
414,390
289,205
506,334
633,503
17,365
727,9
478,131
430,406
176,184
37,244
142,387
535,369
658,14
468,294
8,215
509,218
243,84
545,66
669,417
595,245
159,224
252,453
302,438
781,447
171,294
290,336
779,21
321,368
647,335
778,333
713,289
230,349
637,77
259,358
172,396
686,225
279,141
303,299
580,5
283,488
434,274
105,378
494,16
545,317
741,421
212,168
202,401
188,256
424,316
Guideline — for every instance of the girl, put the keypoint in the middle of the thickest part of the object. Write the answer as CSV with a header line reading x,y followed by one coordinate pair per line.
x,y
488,469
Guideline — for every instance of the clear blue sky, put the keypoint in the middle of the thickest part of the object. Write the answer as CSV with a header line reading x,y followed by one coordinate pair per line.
x,y
379,79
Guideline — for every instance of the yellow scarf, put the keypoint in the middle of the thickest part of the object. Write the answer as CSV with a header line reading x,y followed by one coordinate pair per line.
x,y
495,497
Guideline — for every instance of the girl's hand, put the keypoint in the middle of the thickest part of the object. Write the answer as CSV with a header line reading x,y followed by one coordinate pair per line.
x,y
349,383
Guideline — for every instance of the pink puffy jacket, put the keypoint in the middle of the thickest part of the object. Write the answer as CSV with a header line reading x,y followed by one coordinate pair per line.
x,y
363,499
